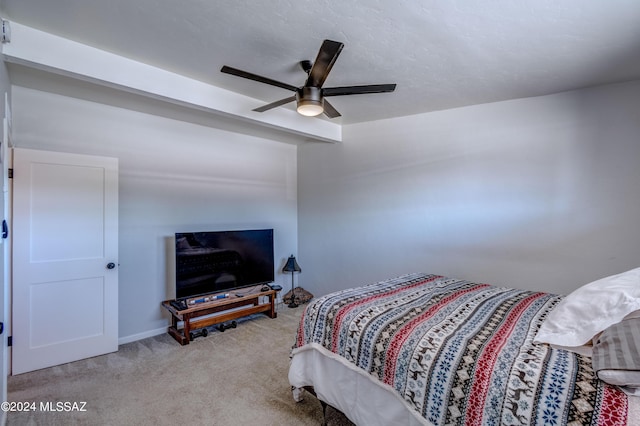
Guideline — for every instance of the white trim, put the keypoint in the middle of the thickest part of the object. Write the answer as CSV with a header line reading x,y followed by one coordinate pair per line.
x,y
140,336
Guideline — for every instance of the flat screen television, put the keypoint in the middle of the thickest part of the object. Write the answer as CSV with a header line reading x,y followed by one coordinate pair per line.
x,y
209,262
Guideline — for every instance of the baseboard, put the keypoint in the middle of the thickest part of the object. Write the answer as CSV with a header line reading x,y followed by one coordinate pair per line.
x,y
140,336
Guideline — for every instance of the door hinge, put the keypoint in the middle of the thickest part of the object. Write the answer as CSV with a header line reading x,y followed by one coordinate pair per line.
x,y
10,173
6,31
10,341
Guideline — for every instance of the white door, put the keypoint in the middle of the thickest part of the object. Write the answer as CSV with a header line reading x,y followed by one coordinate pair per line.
x,y
5,254
65,249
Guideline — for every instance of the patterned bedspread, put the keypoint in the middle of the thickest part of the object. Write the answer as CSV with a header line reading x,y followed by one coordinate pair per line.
x,y
462,353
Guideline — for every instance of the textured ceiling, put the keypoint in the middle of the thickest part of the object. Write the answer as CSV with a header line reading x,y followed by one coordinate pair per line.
x,y
441,54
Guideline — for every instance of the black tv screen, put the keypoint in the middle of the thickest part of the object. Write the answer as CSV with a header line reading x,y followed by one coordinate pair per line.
x,y
208,262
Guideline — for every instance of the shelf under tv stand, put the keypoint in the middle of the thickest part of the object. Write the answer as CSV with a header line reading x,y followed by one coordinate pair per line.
x,y
219,311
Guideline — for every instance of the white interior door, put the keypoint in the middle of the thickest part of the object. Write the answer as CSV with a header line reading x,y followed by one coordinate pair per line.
x,y
65,248
5,253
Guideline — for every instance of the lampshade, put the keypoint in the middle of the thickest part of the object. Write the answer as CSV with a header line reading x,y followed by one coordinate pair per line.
x,y
291,265
310,108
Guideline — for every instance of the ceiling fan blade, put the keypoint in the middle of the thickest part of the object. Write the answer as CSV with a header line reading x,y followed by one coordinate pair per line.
x,y
244,74
330,111
275,104
327,56
358,90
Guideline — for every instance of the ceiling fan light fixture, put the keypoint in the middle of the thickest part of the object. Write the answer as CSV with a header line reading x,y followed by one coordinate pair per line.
x,y
309,100
310,108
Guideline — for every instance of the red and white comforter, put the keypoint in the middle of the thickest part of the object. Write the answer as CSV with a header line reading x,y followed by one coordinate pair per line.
x,y
457,352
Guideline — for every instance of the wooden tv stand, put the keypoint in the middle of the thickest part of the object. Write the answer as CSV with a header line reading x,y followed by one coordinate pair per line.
x,y
248,304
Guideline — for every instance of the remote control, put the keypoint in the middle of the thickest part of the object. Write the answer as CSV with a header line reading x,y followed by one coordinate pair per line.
x,y
178,304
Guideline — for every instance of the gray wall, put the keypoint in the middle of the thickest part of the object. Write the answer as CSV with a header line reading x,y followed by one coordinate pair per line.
x,y
539,193
174,177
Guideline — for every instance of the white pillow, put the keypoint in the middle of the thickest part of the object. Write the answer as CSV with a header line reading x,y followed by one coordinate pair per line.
x,y
590,309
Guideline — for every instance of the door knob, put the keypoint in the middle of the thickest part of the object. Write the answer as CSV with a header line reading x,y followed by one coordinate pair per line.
x,y
111,265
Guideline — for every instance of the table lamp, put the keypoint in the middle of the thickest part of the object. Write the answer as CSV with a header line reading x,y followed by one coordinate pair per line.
x,y
292,266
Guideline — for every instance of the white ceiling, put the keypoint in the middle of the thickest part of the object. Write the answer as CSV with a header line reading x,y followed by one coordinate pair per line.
x,y
441,54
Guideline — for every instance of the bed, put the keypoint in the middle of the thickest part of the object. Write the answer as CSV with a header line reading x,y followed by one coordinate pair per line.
x,y
424,349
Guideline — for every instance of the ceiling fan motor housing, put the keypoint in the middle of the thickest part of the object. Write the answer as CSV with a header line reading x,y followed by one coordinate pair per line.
x,y
309,100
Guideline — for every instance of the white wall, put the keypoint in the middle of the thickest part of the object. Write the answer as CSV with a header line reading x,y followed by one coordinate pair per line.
x,y
174,177
540,193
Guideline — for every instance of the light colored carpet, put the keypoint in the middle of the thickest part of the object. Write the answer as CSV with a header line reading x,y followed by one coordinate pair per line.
x,y
236,377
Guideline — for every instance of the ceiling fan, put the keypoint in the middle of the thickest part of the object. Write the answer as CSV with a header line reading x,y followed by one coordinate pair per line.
x,y
310,98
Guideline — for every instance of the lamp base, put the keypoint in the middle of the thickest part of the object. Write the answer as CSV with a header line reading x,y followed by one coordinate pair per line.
x,y
293,303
